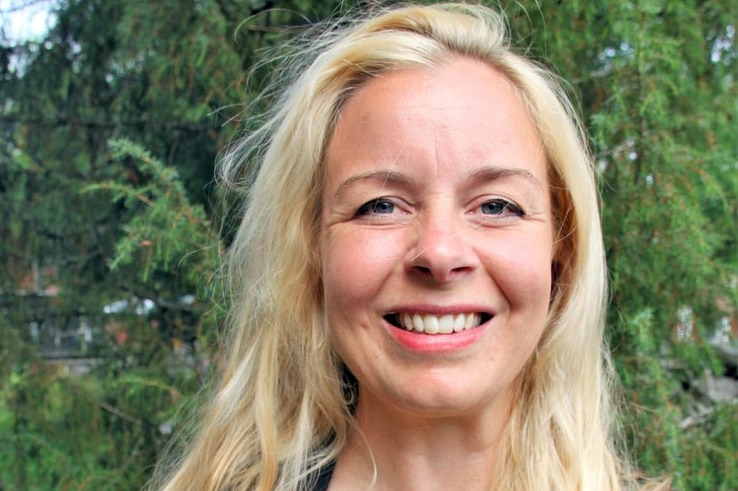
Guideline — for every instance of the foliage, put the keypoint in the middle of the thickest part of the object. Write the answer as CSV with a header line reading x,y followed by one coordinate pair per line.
x,y
657,86
109,251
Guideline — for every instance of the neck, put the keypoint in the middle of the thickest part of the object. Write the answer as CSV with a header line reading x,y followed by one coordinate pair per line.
x,y
421,452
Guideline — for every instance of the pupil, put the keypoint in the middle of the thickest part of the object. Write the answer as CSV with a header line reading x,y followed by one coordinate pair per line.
x,y
493,208
383,207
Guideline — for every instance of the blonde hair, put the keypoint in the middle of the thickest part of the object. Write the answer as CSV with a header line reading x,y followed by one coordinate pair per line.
x,y
282,410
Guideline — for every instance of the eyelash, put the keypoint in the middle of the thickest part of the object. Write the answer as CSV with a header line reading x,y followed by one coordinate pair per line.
x,y
505,206
372,206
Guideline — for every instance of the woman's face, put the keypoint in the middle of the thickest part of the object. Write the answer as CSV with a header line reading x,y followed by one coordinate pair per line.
x,y
436,240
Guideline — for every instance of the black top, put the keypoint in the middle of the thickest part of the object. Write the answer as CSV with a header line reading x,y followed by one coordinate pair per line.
x,y
324,478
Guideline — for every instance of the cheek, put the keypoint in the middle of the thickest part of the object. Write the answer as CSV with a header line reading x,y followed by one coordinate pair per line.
x,y
524,273
356,266
357,271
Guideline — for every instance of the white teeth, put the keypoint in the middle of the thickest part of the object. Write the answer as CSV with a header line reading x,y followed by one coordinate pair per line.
x,y
445,324
431,324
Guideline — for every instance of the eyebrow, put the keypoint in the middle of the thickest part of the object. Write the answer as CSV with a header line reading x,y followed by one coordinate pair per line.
x,y
383,177
493,173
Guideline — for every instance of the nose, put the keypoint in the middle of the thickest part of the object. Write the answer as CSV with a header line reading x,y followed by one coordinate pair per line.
x,y
443,248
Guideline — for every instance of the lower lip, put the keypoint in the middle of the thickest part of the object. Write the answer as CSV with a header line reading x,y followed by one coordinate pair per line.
x,y
437,343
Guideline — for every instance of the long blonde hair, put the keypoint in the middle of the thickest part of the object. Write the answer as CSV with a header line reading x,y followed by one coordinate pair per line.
x,y
282,410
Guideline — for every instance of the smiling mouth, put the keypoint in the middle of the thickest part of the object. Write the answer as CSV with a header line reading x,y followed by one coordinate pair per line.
x,y
437,324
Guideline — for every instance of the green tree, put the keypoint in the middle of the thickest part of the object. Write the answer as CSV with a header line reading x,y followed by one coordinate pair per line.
x,y
103,240
657,87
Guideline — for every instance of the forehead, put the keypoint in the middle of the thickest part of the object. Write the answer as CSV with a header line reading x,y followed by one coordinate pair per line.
x,y
460,113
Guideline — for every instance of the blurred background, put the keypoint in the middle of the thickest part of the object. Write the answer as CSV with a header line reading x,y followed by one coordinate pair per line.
x,y
114,112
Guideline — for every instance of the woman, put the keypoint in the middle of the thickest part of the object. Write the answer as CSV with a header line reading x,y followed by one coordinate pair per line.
x,y
419,282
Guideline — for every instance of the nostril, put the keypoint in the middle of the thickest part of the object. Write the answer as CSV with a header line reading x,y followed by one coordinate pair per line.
x,y
441,255
425,270
437,272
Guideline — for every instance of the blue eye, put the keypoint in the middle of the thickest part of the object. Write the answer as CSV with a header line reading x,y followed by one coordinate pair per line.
x,y
501,207
379,206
